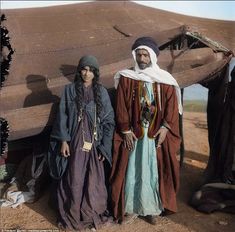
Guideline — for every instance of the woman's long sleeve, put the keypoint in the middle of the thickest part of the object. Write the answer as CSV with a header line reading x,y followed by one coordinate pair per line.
x,y
60,129
107,125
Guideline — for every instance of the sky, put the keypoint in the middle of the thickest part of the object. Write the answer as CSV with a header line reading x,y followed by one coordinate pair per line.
x,y
207,9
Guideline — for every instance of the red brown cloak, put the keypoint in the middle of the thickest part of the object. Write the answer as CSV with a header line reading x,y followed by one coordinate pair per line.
x,y
128,117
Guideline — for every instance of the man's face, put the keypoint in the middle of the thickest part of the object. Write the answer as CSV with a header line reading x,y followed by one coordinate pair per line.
x,y
143,58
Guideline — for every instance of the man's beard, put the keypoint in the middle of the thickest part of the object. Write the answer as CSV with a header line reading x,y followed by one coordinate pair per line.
x,y
143,65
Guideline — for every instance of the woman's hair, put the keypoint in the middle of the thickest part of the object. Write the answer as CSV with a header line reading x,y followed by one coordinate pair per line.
x,y
96,86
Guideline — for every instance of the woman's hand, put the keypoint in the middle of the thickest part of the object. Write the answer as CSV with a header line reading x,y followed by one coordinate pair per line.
x,y
65,149
161,134
101,157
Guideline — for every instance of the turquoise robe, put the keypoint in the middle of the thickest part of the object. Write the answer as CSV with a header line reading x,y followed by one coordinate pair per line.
x,y
142,195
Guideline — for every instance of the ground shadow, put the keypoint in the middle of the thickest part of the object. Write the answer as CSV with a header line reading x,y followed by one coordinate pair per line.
x,y
68,71
40,94
196,156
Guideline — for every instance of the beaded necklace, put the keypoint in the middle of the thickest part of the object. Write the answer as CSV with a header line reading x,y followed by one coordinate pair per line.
x,y
87,145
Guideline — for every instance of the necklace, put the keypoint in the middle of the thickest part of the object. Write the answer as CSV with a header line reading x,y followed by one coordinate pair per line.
x,y
147,105
87,145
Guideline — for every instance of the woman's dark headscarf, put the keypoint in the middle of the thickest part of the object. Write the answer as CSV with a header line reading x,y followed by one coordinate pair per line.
x,y
92,62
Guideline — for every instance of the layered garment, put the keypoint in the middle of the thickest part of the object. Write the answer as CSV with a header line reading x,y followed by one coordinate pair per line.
x,y
81,192
141,187
128,116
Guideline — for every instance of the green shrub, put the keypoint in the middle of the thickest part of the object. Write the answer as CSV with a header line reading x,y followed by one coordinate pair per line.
x,y
195,105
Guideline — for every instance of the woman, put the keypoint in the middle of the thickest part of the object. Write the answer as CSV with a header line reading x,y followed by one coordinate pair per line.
x,y
84,129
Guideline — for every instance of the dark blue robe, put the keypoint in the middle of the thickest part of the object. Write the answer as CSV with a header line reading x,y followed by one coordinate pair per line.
x,y
81,192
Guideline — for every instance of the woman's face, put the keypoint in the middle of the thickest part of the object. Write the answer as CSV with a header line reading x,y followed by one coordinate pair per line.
x,y
87,75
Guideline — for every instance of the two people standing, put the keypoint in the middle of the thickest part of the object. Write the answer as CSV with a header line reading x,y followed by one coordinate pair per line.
x,y
145,174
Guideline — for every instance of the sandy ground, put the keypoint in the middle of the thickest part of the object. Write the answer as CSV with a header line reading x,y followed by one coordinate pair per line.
x,y
39,216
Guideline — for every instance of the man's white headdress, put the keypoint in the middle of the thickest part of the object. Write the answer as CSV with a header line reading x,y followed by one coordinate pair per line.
x,y
151,74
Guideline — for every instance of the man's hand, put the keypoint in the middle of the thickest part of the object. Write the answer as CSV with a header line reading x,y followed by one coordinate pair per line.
x,y
65,149
128,140
161,134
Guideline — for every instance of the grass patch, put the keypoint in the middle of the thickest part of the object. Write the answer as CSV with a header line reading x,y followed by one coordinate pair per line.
x,y
195,105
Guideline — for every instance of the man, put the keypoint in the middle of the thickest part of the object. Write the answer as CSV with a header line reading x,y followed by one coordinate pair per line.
x,y
145,172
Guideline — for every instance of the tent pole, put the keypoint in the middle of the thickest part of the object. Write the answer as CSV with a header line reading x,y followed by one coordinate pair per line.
x,y
181,132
